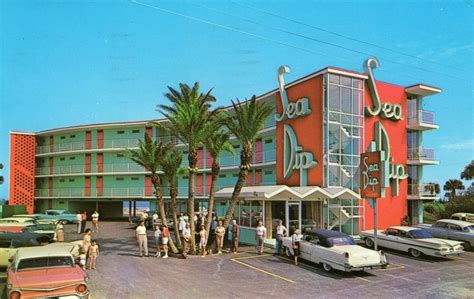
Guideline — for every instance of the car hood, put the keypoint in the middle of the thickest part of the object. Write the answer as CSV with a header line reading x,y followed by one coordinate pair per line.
x,y
440,242
47,278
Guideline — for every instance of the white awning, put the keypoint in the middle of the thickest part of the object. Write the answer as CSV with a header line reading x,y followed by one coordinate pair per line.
x,y
283,192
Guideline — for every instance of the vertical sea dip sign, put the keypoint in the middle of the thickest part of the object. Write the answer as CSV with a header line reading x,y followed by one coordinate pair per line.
x,y
371,175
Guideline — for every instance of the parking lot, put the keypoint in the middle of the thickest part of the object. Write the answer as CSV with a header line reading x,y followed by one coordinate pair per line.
x,y
121,273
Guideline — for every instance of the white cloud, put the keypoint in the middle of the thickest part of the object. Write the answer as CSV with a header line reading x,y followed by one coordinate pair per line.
x,y
463,145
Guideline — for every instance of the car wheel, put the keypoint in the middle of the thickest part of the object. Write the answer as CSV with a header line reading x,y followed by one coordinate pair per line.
x,y
327,267
415,253
287,252
369,242
467,246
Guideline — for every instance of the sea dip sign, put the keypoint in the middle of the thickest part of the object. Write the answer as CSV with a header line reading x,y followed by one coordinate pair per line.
x,y
372,175
294,156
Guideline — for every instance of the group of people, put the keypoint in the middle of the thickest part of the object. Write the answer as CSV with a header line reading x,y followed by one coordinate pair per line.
x,y
82,221
208,241
89,251
280,232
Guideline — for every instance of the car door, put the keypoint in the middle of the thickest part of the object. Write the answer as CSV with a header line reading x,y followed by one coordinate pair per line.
x,y
386,238
305,249
454,232
439,230
5,252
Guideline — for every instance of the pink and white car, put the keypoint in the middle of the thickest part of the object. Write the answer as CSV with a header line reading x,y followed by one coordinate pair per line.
x,y
45,272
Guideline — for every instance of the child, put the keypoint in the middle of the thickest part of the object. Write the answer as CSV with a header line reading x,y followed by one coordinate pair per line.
x,y
93,254
202,240
82,259
158,241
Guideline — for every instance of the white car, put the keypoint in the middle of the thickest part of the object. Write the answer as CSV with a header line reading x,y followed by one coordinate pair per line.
x,y
413,240
336,250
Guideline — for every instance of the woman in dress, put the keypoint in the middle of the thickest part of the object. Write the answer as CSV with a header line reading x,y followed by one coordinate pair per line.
x,y
60,231
295,242
220,232
86,242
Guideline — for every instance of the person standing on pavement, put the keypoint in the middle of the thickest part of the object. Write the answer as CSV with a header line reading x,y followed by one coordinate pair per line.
x,y
165,236
155,219
295,243
59,231
181,225
86,243
79,219
140,234
235,236
220,232
186,240
260,235
158,240
281,232
202,240
95,222
83,221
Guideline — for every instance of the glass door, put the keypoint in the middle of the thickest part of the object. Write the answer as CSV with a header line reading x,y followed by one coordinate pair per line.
x,y
293,215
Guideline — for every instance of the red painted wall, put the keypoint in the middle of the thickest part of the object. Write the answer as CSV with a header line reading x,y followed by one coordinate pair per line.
x,y
22,170
392,208
148,186
308,129
258,150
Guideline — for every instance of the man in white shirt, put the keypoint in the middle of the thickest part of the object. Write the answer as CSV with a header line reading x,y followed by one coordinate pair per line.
x,y
186,240
142,240
181,225
79,219
155,219
260,235
281,232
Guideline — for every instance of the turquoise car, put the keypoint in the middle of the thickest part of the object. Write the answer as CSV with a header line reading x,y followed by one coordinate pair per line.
x,y
60,215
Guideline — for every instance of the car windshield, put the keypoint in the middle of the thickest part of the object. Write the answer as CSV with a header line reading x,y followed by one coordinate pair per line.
x,y
469,228
339,241
420,234
42,262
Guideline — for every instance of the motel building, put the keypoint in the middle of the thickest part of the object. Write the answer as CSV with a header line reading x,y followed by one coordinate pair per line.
x,y
306,161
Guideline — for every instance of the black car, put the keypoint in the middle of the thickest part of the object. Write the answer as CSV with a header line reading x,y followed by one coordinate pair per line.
x,y
26,238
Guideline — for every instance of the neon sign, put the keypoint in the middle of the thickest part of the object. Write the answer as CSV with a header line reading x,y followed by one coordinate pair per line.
x,y
396,172
385,110
293,155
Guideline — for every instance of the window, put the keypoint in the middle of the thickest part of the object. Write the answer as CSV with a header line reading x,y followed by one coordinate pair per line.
x,y
61,180
120,155
185,177
72,136
134,179
236,146
222,175
268,172
120,132
454,227
71,180
62,137
62,159
72,158
235,175
135,131
119,179
267,141
441,224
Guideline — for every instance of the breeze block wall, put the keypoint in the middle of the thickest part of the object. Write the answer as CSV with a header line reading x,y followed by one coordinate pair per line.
x,y
22,170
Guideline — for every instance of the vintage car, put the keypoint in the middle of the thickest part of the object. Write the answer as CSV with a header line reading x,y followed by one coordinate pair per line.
x,y
469,217
413,240
42,229
8,249
17,220
336,250
58,215
452,230
42,272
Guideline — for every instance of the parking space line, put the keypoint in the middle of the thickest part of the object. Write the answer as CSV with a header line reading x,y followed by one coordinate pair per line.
x,y
237,260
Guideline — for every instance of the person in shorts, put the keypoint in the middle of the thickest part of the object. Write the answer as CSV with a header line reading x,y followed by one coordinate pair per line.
x,y
95,222
295,243
203,240
260,236
165,235
158,240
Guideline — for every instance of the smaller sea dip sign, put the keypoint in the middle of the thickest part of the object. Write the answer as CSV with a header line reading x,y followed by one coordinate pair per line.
x,y
371,175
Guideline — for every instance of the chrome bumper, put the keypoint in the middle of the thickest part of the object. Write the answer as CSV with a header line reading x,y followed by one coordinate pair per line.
x,y
446,253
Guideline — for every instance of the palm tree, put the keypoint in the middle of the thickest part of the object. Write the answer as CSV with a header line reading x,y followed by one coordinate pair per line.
x,y
171,163
187,118
149,155
216,142
452,186
468,172
244,123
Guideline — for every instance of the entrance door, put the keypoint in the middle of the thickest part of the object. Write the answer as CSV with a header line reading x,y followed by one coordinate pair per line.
x,y
293,215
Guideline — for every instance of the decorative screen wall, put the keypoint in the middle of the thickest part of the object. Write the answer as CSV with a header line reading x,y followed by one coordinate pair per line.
x,y
22,170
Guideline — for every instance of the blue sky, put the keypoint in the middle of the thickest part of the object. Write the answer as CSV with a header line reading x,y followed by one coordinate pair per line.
x,y
76,62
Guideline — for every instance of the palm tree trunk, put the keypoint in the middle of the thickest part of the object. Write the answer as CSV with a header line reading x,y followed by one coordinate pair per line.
x,y
159,197
246,156
210,207
173,195
193,159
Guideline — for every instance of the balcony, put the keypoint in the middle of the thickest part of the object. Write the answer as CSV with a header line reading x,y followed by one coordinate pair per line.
x,y
421,156
422,191
97,145
422,120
